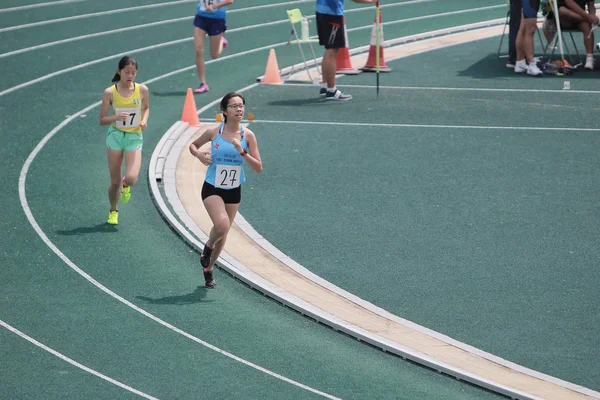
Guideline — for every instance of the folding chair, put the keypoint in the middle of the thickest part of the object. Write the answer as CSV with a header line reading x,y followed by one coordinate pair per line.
x,y
552,14
295,17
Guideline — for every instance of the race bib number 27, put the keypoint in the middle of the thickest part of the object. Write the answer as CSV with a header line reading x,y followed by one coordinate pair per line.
x,y
227,176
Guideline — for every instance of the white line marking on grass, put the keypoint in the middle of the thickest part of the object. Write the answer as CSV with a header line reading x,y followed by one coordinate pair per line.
x,y
96,14
517,128
73,362
100,13
445,14
38,5
142,26
91,35
459,89
155,46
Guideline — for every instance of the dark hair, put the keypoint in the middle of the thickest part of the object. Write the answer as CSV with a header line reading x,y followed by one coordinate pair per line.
x,y
225,102
125,61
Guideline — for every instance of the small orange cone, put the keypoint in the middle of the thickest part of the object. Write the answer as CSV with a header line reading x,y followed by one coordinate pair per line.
x,y
342,61
272,72
371,65
189,114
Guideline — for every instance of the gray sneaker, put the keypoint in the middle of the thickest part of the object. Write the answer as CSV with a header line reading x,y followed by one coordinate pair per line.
x,y
337,95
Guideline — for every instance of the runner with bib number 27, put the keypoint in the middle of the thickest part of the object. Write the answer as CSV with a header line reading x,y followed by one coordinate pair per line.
x,y
231,145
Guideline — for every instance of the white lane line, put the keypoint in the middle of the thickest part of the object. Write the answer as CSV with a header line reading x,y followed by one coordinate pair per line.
x,y
91,35
142,26
444,14
73,362
73,266
135,51
100,13
96,14
481,127
459,89
38,5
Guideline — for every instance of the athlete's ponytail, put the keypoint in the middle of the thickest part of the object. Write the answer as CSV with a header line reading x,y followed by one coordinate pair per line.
x,y
123,62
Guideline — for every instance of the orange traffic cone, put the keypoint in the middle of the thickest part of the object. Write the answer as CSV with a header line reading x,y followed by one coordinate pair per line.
x,y
342,61
189,114
371,65
272,72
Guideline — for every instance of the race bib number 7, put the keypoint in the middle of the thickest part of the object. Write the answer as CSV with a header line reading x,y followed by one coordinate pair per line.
x,y
227,176
133,121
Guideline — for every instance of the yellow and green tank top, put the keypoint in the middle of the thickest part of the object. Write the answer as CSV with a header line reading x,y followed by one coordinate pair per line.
x,y
131,105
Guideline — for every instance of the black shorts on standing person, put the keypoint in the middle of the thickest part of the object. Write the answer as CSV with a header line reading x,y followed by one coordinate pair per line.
x,y
331,31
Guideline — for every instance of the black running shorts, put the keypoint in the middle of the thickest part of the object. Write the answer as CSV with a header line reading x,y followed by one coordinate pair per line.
x,y
229,196
331,31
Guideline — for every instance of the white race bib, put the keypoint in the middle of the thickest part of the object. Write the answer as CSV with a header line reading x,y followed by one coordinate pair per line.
x,y
228,176
206,3
133,121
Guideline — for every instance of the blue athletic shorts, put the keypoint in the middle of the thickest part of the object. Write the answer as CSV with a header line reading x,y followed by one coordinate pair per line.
x,y
212,26
530,8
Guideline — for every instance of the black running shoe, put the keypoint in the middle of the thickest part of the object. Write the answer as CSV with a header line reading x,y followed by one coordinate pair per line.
x,y
337,95
205,256
209,281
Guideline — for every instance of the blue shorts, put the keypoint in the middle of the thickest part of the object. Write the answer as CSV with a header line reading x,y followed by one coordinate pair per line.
x,y
212,26
530,8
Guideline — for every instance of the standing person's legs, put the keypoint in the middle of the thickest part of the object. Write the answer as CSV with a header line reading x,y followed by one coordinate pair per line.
x,y
524,42
528,45
513,29
329,66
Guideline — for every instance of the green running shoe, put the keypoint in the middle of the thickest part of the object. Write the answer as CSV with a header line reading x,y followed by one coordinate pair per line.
x,y
125,193
113,217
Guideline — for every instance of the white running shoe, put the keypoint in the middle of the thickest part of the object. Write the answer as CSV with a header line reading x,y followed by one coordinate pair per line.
x,y
533,69
589,62
521,67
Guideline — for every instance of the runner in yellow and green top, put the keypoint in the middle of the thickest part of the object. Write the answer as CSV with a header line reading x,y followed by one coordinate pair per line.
x,y
130,104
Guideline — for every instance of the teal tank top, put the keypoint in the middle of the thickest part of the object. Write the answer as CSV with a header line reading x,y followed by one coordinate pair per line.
x,y
226,171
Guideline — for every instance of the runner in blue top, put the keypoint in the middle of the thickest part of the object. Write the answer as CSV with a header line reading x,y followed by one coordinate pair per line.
x,y
209,20
330,27
231,145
